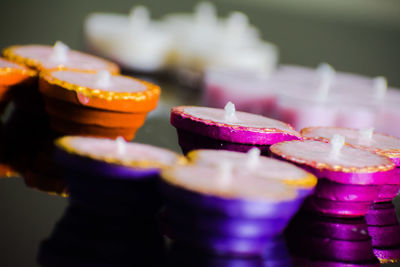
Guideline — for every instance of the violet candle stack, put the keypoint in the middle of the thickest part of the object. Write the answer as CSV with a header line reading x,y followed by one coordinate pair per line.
x,y
230,210
201,127
113,200
349,179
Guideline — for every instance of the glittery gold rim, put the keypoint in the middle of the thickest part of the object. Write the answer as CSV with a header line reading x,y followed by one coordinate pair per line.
x,y
335,168
390,153
24,71
9,54
151,91
306,181
168,176
384,261
181,111
63,143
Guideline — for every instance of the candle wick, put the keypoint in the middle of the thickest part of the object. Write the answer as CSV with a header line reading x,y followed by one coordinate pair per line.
x,y
230,112
365,136
121,146
236,24
139,18
224,169
253,158
327,75
337,142
380,85
60,52
103,78
205,13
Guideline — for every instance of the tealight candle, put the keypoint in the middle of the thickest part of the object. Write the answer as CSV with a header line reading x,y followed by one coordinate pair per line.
x,y
43,57
97,104
113,200
201,127
323,241
254,164
251,92
228,212
349,178
379,143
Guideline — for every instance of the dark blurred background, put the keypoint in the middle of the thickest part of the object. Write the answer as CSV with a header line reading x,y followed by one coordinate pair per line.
x,y
360,36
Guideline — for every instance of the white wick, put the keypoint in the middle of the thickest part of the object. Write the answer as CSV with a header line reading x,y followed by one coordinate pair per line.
x,y
224,173
327,75
60,51
365,136
103,78
121,146
205,13
337,142
253,158
236,24
230,112
380,85
139,18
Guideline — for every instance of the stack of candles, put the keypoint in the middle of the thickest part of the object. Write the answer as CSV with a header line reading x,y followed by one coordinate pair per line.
x,y
380,216
112,205
201,127
85,94
232,203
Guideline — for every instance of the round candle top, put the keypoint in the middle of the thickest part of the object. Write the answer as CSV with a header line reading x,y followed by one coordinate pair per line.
x,y
365,138
223,181
254,164
230,117
102,84
58,56
332,156
11,67
119,152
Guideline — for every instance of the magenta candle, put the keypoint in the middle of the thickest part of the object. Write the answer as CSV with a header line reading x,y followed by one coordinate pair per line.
x,y
228,211
201,127
349,178
379,143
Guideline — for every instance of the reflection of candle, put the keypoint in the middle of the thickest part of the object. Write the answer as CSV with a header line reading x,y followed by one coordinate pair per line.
x,y
43,57
200,127
382,144
348,182
203,212
263,167
97,104
323,241
12,74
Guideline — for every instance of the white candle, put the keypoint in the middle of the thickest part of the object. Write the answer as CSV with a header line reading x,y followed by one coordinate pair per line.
x,y
337,142
380,85
230,112
60,52
236,25
139,18
205,14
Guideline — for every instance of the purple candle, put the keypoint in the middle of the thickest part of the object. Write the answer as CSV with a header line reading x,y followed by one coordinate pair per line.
x,y
226,211
260,166
201,127
349,178
381,144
